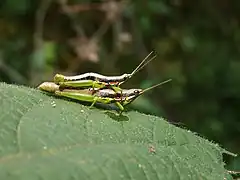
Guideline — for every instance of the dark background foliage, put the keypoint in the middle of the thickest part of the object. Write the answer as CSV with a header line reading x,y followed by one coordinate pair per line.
x,y
197,43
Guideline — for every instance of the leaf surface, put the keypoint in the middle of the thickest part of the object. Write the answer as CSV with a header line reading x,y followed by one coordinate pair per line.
x,y
43,137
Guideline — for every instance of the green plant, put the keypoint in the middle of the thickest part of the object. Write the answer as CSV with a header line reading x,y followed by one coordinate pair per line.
x,y
42,137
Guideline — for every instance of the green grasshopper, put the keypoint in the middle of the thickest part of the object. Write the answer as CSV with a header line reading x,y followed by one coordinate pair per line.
x,y
95,80
85,95
105,96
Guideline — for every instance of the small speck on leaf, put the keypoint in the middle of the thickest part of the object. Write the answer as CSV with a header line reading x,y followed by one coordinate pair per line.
x,y
152,149
53,103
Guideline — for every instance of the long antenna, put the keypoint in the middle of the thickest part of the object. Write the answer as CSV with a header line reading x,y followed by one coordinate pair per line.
x,y
139,66
145,90
154,86
146,63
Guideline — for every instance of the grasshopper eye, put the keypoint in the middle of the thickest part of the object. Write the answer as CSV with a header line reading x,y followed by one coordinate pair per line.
x,y
136,91
126,76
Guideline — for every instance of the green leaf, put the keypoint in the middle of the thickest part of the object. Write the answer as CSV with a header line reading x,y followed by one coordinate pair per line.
x,y
43,137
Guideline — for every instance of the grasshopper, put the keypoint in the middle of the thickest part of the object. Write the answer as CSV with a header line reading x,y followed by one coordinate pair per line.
x,y
85,95
105,96
95,80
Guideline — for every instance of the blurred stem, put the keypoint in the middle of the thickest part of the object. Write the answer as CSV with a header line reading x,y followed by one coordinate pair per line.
x,y
37,62
70,14
101,31
110,62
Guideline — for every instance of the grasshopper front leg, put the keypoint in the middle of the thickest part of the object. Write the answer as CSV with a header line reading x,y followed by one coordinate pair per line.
x,y
120,107
99,99
95,99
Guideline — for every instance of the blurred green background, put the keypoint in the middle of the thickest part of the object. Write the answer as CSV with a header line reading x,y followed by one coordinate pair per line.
x,y
197,45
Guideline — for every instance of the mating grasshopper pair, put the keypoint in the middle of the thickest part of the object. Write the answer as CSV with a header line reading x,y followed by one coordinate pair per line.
x,y
93,87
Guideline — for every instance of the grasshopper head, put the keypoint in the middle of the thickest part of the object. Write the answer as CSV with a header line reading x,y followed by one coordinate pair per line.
x,y
58,78
124,78
49,87
132,94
